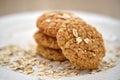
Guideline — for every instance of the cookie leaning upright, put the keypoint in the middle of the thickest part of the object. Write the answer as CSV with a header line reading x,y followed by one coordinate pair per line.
x,y
81,43
50,22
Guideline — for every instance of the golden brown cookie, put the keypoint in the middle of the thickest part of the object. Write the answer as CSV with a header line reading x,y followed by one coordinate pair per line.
x,y
50,54
50,22
81,43
45,40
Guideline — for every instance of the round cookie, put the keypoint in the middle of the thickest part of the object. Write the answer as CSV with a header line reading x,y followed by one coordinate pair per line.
x,y
50,22
45,40
50,54
81,43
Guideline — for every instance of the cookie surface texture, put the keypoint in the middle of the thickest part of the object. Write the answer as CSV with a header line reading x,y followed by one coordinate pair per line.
x,y
81,43
50,54
45,40
50,22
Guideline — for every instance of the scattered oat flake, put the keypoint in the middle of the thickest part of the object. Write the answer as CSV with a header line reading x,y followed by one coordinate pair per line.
x,y
24,61
28,69
75,33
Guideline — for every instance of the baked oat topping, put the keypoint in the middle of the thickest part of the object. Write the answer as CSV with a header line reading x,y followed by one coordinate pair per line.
x,y
94,54
78,40
86,40
75,33
48,20
64,16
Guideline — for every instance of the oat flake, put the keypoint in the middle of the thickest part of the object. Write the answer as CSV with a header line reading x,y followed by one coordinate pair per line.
x,y
94,54
65,16
78,40
75,33
86,40
47,20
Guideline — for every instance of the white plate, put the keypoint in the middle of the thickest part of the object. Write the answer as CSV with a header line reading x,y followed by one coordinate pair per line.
x,y
19,28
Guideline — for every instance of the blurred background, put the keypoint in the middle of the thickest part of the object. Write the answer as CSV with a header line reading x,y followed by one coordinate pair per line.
x,y
105,7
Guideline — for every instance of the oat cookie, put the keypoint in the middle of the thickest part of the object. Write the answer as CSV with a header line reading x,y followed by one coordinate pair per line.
x,y
45,40
50,54
81,43
50,22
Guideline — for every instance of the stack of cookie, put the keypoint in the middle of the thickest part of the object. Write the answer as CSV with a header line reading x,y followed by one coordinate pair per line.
x,y
48,25
63,36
